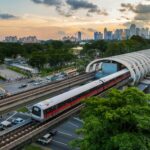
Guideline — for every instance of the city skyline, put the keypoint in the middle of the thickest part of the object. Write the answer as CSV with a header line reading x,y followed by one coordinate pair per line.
x,y
53,19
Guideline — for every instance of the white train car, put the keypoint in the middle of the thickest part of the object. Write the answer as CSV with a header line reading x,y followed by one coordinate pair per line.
x,y
55,105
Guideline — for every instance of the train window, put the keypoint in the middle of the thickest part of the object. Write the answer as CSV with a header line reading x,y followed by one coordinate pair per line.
x,y
36,111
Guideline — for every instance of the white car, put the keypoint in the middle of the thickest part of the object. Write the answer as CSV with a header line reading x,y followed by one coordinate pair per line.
x,y
17,121
36,83
46,139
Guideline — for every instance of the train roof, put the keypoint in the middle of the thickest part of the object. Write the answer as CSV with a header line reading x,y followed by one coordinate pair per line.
x,y
62,97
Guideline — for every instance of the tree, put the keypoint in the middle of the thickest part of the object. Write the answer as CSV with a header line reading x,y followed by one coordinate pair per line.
x,y
38,60
2,58
94,47
118,122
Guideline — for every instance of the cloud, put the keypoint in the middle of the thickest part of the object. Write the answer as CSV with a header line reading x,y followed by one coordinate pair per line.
x,y
7,16
58,4
91,30
141,12
64,12
140,8
127,18
82,4
122,9
143,17
48,2
126,7
68,7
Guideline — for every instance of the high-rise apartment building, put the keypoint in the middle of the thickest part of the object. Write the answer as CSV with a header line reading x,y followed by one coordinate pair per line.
x,y
11,39
79,36
29,39
132,30
98,36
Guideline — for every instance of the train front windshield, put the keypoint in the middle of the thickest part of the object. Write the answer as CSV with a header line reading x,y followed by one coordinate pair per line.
x,y
36,111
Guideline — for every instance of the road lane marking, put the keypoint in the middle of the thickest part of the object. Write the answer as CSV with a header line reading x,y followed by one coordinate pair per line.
x,y
11,116
73,124
60,142
78,119
65,133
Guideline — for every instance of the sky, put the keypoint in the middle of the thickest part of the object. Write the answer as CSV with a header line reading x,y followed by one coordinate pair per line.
x,y
53,19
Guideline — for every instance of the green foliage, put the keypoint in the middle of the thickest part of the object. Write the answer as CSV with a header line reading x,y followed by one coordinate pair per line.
x,y
95,47
32,147
111,48
118,122
2,58
13,68
53,53
23,109
2,78
38,59
58,54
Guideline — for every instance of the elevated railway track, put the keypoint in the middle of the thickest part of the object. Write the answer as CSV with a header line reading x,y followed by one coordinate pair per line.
x,y
35,95
29,131
137,64
32,130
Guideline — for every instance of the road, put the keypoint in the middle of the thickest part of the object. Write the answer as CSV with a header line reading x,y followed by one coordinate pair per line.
x,y
66,132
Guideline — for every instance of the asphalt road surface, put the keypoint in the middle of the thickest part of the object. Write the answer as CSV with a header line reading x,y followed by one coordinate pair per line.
x,y
66,132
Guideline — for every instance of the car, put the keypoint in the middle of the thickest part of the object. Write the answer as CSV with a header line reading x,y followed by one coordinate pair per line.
x,y
31,81
1,127
23,86
6,124
53,132
36,83
46,139
49,78
17,121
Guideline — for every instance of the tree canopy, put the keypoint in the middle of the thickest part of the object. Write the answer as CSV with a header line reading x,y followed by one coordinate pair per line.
x,y
120,121
111,48
56,54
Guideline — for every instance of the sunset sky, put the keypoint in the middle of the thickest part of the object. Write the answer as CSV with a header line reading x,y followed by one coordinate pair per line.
x,y
56,18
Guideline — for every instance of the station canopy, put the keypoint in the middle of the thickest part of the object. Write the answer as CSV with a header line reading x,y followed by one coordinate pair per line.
x,y
138,63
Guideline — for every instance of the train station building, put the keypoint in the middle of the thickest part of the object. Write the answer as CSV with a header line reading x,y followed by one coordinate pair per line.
x,y
138,63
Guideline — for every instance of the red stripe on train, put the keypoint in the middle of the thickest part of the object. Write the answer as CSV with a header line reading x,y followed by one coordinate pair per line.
x,y
92,93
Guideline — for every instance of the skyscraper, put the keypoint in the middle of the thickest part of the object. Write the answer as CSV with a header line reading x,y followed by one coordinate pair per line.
x,y
98,36
132,30
127,33
105,34
118,34
79,36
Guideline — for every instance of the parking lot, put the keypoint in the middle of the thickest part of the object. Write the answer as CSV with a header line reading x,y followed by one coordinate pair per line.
x,y
10,119
23,85
66,132
9,74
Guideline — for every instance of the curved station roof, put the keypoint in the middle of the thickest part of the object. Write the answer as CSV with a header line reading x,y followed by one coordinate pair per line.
x,y
138,63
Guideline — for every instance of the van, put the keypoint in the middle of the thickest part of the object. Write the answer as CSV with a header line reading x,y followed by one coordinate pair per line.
x,y
46,139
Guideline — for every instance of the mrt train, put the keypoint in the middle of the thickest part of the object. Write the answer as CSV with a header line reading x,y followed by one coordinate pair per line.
x,y
57,104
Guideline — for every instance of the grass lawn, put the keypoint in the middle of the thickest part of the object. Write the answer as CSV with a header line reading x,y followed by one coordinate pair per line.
x,y
23,109
32,147
17,70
